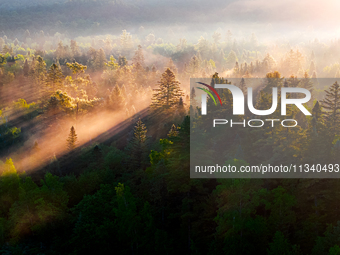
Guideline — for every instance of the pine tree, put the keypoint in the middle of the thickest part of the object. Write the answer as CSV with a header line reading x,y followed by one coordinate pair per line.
x,y
122,61
306,82
112,64
100,60
76,68
136,148
153,68
331,104
194,66
55,77
172,66
140,132
316,111
243,86
72,139
169,92
74,49
38,72
125,41
173,131
180,103
139,56
60,51
116,98
193,93
231,59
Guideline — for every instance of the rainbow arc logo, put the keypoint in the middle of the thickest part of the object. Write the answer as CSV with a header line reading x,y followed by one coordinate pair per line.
x,y
208,92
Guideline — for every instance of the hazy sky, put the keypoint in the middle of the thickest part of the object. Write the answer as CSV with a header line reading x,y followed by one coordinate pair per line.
x,y
261,16
313,12
266,17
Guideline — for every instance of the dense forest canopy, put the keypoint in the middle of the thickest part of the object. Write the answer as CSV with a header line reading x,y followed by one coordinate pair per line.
x,y
95,118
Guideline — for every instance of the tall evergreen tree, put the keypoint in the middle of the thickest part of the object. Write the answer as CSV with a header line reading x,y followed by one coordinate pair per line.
x,y
117,99
55,77
112,64
100,60
172,66
74,49
331,104
122,61
72,139
168,93
231,59
76,68
139,56
243,86
173,131
136,147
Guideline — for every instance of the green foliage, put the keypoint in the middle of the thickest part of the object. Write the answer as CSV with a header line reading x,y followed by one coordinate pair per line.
x,y
122,61
55,77
112,218
168,94
117,101
9,185
112,64
335,250
8,133
37,207
280,245
121,201
137,146
76,68
331,104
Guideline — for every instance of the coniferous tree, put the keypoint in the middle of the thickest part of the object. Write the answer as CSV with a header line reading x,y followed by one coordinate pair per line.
x,y
193,93
55,77
153,68
243,86
122,61
37,72
112,64
72,139
116,98
168,93
76,68
136,147
139,56
231,59
100,60
331,104
194,66
180,103
173,131
74,49
306,82
172,66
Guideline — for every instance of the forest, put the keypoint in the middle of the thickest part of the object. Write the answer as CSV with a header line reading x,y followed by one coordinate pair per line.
x,y
95,126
